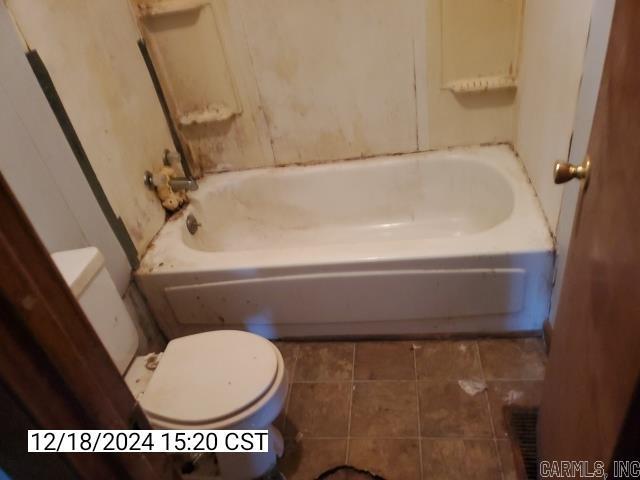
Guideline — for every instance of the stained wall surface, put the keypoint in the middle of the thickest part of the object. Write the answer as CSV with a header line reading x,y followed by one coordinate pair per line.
x,y
259,84
40,168
332,80
553,52
90,51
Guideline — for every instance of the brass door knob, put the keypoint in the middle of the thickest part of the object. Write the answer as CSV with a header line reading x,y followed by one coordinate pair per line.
x,y
564,171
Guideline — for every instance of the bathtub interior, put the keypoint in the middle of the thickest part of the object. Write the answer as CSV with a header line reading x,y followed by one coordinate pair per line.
x,y
430,243
393,198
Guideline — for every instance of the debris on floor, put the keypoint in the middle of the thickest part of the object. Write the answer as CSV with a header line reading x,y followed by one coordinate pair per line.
x,y
472,387
512,396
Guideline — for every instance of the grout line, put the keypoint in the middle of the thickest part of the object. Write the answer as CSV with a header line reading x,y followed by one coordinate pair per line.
x,y
406,380
423,380
288,400
515,379
496,450
286,411
353,386
415,375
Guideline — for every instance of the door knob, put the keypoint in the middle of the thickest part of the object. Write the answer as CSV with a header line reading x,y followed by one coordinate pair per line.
x,y
564,171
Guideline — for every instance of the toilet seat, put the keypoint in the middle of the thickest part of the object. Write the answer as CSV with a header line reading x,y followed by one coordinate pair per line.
x,y
216,380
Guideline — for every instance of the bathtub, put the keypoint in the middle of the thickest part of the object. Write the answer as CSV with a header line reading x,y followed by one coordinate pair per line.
x,y
440,242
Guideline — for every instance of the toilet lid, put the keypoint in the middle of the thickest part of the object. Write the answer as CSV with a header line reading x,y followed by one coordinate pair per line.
x,y
209,376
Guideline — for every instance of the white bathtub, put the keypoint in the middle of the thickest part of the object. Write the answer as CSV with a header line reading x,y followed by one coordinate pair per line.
x,y
441,242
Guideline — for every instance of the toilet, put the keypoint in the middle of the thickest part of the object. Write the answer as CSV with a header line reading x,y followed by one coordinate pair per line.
x,y
214,380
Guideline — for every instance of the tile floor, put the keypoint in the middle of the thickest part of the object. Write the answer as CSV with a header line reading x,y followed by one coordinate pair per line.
x,y
397,409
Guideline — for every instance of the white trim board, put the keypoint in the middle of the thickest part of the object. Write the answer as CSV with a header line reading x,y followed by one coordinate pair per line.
x,y
595,55
41,168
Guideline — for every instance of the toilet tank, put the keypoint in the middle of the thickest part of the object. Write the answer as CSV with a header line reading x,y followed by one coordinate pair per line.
x,y
83,270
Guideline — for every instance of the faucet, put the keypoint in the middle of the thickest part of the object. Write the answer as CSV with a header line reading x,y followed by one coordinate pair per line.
x,y
187,183
179,183
183,183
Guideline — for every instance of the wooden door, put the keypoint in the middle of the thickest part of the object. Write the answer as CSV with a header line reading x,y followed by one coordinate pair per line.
x,y
590,400
54,371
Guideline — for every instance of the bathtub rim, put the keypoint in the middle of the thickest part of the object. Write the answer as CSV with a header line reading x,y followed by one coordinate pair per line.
x,y
524,231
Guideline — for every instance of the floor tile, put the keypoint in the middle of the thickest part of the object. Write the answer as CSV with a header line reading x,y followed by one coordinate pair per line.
x,y
307,459
384,409
507,461
447,410
289,351
388,458
384,361
383,405
328,361
502,393
459,459
513,359
448,360
318,410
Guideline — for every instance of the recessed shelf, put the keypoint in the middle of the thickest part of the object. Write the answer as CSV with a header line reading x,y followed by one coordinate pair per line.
x,y
169,7
188,51
209,114
481,84
480,44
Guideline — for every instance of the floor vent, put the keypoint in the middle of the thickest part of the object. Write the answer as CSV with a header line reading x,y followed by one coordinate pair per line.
x,y
522,423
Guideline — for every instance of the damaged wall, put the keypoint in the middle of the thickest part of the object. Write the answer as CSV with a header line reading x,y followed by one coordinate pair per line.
x,y
318,81
90,50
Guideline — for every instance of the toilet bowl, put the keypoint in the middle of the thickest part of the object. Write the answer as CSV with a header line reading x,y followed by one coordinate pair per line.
x,y
220,380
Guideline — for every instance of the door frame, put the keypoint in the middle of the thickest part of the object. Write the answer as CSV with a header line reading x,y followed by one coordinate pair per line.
x,y
51,360
593,67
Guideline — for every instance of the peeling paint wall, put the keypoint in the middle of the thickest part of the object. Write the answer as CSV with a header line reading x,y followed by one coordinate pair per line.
x,y
320,80
90,51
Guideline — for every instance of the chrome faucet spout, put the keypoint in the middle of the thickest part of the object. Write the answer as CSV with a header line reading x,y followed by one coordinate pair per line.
x,y
183,183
